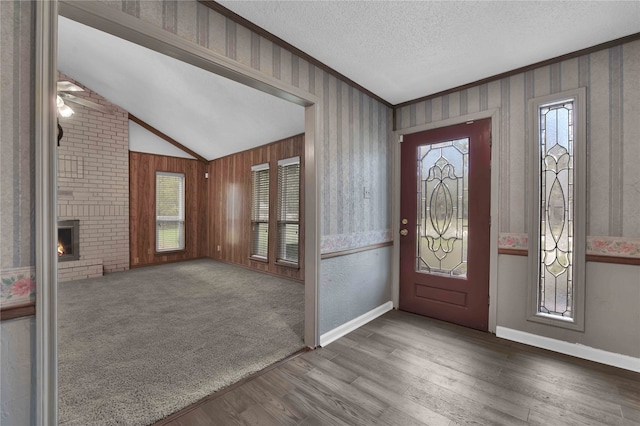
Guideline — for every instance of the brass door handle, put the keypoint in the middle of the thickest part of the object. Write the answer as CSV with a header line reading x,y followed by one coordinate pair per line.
x,y
404,232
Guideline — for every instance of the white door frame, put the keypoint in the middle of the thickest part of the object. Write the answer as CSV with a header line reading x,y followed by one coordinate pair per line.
x,y
118,23
494,115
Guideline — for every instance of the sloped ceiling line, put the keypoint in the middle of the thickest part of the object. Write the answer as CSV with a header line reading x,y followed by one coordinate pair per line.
x,y
167,138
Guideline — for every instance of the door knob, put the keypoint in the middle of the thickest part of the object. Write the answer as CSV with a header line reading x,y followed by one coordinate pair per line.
x,y
404,232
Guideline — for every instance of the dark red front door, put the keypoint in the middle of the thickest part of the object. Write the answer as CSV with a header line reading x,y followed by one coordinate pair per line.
x,y
445,221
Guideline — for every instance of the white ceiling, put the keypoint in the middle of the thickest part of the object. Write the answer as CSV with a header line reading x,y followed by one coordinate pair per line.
x,y
399,50
209,114
403,50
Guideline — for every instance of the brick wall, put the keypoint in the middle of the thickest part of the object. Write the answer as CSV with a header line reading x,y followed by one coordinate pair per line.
x,y
93,186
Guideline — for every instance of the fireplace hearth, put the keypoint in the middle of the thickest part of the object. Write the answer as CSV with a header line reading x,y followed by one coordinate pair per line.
x,y
68,240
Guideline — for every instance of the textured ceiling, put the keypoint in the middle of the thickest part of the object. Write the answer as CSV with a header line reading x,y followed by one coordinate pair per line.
x,y
403,50
209,114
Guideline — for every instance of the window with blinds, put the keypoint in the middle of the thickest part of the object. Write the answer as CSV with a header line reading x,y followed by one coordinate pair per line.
x,y
260,211
288,210
169,211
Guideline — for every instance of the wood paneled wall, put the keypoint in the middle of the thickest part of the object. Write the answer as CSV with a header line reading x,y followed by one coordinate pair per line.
x,y
142,202
230,204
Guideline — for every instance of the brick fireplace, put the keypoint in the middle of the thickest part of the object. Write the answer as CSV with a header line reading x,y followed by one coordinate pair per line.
x,y
93,188
68,240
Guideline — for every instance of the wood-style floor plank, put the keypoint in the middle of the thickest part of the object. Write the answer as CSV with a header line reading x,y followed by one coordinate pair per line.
x,y
404,369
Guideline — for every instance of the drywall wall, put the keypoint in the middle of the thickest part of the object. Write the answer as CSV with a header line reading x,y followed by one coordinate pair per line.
x,y
352,285
18,354
611,312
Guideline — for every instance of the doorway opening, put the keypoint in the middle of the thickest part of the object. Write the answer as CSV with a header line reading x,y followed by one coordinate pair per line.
x,y
115,23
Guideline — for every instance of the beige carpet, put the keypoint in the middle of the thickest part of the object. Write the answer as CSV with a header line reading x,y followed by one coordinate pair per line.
x,y
136,346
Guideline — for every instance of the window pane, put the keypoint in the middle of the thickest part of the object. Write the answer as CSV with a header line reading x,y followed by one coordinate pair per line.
x,y
169,235
288,209
260,239
260,211
288,242
556,205
169,211
443,184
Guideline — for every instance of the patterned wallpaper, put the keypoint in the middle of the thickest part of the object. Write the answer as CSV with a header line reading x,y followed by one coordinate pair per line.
x,y
355,129
17,155
612,78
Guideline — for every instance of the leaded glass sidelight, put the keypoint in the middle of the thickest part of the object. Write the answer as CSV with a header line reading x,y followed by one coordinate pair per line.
x,y
555,295
442,229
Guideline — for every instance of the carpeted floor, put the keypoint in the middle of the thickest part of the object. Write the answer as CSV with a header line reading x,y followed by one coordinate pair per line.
x,y
136,346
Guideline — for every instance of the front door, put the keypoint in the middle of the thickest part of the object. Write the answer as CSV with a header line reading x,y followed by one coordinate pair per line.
x,y
445,221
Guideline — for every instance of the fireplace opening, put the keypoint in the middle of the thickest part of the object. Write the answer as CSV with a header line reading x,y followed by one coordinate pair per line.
x,y
68,240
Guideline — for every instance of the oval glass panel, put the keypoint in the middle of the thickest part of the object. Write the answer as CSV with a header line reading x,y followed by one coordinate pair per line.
x,y
556,210
441,208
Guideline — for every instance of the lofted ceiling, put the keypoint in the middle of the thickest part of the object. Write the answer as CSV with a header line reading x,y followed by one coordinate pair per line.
x,y
211,115
398,50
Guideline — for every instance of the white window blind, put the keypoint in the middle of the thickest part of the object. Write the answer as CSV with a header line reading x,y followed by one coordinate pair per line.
x,y
288,210
260,211
169,211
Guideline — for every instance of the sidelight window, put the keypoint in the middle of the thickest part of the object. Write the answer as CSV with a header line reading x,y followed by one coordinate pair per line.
x,y
557,223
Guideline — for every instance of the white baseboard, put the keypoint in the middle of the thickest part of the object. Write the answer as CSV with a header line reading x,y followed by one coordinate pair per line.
x,y
573,349
348,327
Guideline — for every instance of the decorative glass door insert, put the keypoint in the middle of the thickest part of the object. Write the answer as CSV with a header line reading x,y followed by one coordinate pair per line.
x,y
443,187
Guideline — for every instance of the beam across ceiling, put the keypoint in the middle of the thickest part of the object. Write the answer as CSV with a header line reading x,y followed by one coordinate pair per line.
x,y
167,138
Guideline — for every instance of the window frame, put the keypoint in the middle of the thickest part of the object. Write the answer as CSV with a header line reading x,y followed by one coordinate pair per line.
x,y
285,162
182,213
578,97
264,167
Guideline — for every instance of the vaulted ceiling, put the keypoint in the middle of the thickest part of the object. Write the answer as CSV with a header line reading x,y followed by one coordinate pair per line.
x,y
397,50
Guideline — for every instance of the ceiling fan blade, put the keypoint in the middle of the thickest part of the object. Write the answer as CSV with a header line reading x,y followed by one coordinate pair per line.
x,y
87,103
67,86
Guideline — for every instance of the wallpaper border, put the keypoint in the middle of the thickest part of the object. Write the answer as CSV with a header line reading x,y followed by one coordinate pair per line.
x,y
341,242
17,286
596,245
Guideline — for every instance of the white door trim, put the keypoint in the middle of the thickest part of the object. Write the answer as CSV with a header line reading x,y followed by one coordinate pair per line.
x,y
46,41
494,115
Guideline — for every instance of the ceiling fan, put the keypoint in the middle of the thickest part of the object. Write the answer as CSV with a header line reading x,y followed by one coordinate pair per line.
x,y
64,87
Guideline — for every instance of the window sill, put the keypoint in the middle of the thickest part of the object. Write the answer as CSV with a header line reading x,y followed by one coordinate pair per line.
x,y
556,321
164,253
286,264
259,259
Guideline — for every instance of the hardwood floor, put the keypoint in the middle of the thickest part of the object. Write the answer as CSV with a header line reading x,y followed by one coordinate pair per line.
x,y
403,369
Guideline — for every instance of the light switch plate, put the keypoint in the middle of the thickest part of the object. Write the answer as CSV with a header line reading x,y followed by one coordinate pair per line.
x,y
367,193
